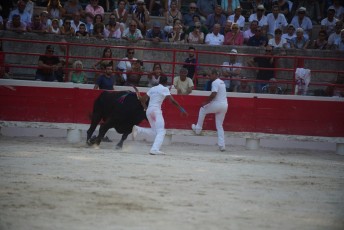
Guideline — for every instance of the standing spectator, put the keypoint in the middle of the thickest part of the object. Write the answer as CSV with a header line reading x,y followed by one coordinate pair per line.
x,y
238,18
277,41
106,60
188,17
251,31
260,17
75,23
215,18
125,65
82,32
191,63
77,75
156,96
258,39
16,24
55,9
36,26
170,16
135,73
329,22
263,62
300,41
206,7
49,66
304,22
156,34
321,42
216,103
24,16
230,71
183,83
66,28
54,28
72,6
106,80
155,75
141,16
336,35
177,35
229,5
275,20
121,13
132,34
235,37
215,38
289,35
196,36
339,43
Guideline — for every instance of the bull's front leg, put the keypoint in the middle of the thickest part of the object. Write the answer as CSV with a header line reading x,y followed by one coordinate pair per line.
x,y
96,118
120,143
102,131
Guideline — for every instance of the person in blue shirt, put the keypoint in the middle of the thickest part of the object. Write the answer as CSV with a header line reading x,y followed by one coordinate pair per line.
x,y
107,80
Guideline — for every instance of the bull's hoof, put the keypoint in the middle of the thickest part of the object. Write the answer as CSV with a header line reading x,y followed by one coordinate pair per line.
x,y
91,141
95,146
118,147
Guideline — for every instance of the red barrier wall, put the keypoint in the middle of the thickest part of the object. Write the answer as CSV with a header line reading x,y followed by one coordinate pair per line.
x,y
245,114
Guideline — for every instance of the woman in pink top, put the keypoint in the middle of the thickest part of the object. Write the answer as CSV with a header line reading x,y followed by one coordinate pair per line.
x,y
234,37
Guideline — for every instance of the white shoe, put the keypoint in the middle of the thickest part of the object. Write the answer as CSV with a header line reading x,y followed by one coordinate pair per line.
x,y
222,148
193,126
156,152
134,132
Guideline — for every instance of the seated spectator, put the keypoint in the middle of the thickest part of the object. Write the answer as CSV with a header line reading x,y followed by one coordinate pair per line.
x,y
30,5
289,35
312,10
197,20
230,71
329,22
229,6
272,88
258,39
135,73
277,41
251,31
190,62
106,80
54,28
275,20
339,43
49,66
156,8
24,15
182,83
121,13
45,21
321,42
72,6
188,17
55,10
215,38
177,35
132,34
196,36
336,35
215,18
16,24
260,17
76,22
168,4
105,60
154,76
300,41
243,87
206,7
226,28
93,8
66,28
263,75
170,16
77,75
176,22
124,66
155,34
338,6
82,31
113,30
304,22
98,31
235,37
141,16
238,18
35,26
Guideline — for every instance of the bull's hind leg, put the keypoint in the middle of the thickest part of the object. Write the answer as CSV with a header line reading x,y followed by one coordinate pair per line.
x,y
96,118
102,131
120,143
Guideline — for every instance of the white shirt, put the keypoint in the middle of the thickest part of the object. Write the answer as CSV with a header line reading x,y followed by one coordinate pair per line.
x,y
272,42
240,21
247,34
306,25
332,38
183,86
212,39
157,95
124,66
274,23
329,25
262,22
219,87
76,27
227,67
288,38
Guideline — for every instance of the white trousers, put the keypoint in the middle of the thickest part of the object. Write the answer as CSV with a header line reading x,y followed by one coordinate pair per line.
x,y
220,110
157,130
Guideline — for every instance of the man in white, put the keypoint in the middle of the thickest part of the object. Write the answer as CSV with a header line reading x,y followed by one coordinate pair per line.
x,y
300,20
156,96
336,35
216,103
329,22
183,83
260,17
238,18
251,31
75,23
125,64
229,71
275,20
215,38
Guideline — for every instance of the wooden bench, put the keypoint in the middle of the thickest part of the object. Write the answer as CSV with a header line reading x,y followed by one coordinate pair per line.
x,y
252,139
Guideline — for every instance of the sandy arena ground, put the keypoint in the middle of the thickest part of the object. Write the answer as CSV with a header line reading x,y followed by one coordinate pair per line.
x,y
46,183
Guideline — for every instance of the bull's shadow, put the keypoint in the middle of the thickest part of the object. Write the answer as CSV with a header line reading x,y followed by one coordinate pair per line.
x,y
118,110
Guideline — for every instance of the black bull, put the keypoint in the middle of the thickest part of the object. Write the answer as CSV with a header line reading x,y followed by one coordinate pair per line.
x,y
119,110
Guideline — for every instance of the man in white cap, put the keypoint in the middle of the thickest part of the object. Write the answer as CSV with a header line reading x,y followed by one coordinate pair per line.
x,y
260,17
300,20
230,71
216,103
